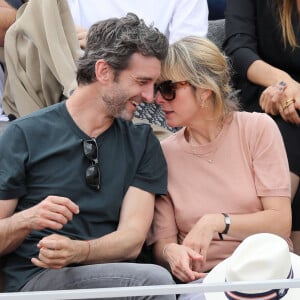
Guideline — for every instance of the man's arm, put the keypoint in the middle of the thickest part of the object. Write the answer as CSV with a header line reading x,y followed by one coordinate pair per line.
x,y
123,244
135,221
12,230
53,212
7,17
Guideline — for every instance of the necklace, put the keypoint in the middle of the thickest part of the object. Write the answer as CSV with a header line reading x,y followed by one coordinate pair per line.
x,y
208,156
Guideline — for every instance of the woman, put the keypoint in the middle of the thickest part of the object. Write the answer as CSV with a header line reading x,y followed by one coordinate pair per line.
x,y
223,165
263,42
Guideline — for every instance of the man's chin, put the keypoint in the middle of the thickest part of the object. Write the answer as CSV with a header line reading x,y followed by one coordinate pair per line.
x,y
126,115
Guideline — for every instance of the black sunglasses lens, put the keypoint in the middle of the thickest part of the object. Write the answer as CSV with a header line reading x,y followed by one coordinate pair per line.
x,y
156,88
167,90
92,177
92,174
90,149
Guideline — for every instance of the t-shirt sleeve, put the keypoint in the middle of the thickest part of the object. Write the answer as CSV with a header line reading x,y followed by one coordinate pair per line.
x,y
270,163
164,224
151,175
13,157
240,35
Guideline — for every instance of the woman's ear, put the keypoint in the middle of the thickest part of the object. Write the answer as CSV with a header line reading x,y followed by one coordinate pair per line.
x,y
206,93
203,95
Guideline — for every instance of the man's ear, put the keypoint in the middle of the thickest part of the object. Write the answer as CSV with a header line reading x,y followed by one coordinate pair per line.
x,y
103,71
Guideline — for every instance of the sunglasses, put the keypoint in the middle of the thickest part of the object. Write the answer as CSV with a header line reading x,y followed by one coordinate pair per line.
x,y
168,88
92,174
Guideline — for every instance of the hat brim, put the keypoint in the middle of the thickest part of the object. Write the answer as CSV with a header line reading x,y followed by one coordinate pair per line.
x,y
217,275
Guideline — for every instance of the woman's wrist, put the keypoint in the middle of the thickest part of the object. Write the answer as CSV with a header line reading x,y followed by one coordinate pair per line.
x,y
227,222
164,250
215,222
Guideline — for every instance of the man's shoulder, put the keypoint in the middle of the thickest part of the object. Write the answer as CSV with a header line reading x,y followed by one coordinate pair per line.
x,y
38,117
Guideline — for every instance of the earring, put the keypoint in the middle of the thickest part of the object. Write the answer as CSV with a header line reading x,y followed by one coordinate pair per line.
x,y
203,103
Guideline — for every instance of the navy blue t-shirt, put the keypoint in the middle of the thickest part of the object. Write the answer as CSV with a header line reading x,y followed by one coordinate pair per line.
x,y
42,155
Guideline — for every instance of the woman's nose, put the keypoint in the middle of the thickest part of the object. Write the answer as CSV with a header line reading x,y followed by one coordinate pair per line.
x,y
158,98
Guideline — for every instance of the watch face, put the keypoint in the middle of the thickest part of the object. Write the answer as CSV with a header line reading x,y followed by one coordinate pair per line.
x,y
227,222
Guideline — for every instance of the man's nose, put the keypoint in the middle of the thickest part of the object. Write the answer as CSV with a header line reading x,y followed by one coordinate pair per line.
x,y
148,94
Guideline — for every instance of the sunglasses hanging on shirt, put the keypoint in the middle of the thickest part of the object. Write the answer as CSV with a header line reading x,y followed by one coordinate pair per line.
x,y
92,174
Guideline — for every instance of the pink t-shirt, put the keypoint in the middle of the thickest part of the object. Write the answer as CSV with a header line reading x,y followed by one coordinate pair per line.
x,y
248,161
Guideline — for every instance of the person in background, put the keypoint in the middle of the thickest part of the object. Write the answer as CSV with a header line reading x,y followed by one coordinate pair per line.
x,y
7,17
223,166
216,9
263,43
174,18
78,185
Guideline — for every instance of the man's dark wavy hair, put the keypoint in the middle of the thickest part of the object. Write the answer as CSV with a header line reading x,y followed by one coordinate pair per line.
x,y
115,40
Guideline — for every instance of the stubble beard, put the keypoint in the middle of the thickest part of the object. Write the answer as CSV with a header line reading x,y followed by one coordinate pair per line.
x,y
116,104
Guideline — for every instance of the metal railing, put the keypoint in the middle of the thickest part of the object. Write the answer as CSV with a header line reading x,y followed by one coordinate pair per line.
x,y
153,290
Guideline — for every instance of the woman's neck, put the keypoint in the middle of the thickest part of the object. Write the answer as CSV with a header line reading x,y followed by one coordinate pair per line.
x,y
199,135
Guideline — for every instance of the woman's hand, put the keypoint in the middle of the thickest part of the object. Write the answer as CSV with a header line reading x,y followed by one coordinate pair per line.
x,y
282,98
270,99
201,235
181,260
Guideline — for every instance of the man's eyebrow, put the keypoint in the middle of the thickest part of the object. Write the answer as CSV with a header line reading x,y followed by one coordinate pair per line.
x,y
142,78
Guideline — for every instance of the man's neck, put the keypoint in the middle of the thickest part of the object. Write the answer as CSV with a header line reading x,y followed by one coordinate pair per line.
x,y
86,112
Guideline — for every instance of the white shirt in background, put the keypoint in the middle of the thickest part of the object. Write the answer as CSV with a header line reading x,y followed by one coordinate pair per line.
x,y
174,18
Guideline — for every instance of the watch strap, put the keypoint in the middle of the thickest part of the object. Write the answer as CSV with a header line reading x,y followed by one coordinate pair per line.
x,y
227,225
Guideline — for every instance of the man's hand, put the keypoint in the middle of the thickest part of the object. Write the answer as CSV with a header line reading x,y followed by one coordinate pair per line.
x,y
57,251
53,213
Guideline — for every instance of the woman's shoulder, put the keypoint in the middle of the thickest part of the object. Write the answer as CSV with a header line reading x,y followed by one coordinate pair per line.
x,y
255,123
251,117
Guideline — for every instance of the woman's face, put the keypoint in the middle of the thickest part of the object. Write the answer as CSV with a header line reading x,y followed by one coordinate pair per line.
x,y
184,108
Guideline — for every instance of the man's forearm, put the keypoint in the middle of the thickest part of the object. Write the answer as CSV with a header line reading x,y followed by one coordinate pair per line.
x,y
13,231
116,246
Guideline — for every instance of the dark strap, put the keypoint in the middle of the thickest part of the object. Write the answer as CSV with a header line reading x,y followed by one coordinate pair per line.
x,y
268,295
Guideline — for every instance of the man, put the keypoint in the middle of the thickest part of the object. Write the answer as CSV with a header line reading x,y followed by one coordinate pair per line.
x,y
79,180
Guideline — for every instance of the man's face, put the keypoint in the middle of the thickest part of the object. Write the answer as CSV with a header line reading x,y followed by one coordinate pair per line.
x,y
132,86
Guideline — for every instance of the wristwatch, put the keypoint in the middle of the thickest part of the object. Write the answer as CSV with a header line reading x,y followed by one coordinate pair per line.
x,y
227,223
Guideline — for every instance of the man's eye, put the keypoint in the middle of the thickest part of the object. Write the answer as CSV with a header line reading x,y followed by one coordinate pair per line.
x,y
142,82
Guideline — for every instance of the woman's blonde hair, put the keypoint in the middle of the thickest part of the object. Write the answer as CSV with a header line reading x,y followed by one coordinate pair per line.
x,y
203,65
285,9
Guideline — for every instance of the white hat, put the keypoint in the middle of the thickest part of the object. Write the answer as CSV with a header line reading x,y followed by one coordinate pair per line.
x,y
259,257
